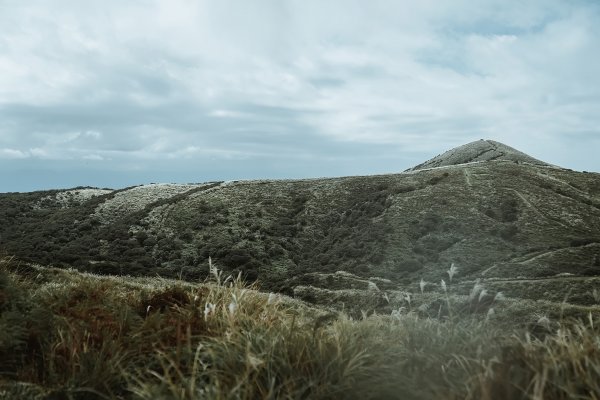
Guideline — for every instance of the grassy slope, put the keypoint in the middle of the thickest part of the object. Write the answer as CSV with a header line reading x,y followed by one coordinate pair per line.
x,y
529,231
495,220
70,335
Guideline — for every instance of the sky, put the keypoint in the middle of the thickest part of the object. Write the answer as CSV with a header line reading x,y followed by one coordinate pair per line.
x,y
114,93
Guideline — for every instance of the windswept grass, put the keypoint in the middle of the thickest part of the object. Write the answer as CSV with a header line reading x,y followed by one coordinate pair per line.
x,y
69,335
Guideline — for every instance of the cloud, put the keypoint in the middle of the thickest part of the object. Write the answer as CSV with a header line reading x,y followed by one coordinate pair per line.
x,y
93,157
20,154
161,80
12,154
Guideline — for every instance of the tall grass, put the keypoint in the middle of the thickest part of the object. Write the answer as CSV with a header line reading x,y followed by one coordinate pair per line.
x,y
562,365
69,335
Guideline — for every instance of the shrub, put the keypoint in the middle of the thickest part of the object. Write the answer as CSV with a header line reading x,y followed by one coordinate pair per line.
x,y
579,242
508,232
509,210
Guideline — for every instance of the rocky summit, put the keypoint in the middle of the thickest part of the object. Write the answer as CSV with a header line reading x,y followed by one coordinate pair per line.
x,y
500,216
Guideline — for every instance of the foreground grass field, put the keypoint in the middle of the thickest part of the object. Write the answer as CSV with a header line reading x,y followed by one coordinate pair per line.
x,y
68,335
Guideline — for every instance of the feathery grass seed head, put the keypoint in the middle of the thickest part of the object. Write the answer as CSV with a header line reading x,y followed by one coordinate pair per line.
x,y
478,287
422,285
452,271
499,296
482,294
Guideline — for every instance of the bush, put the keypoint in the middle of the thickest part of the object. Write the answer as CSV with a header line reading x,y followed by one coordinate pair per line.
x,y
438,178
509,210
508,232
579,242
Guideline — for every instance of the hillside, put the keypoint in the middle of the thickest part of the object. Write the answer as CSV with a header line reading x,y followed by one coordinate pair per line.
x,y
478,151
499,215
474,275
71,335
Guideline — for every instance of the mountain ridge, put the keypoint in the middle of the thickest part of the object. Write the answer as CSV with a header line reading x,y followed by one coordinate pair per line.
x,y
505,219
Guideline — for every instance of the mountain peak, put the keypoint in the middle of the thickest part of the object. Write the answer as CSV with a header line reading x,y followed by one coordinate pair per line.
x,y
479,150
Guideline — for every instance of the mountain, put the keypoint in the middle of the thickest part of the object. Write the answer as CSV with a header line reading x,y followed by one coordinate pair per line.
x,y
501,216
478,151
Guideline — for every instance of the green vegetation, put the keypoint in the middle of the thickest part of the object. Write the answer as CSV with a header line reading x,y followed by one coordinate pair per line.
x,y
377,308
68,335
507,219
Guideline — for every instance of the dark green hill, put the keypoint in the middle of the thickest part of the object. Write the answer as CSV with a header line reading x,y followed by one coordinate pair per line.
x,y
508,219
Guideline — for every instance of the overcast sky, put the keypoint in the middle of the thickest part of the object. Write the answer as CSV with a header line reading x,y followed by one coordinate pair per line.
x,y
116,93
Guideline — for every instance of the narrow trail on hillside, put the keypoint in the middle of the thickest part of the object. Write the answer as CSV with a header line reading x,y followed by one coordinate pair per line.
x,y
467,176
535,257
537,211
527,258
583,195
532,280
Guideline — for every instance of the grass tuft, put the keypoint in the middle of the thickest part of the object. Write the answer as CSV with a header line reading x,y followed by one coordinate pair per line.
x,y
64,334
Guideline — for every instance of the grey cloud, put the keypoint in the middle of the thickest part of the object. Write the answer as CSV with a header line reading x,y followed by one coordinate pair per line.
x,y
131,127
289,89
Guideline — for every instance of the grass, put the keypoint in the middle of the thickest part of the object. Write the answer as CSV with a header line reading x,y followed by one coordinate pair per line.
x,y
68,335
401,227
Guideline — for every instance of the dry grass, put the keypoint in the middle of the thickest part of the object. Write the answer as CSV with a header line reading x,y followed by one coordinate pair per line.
x,y
69,335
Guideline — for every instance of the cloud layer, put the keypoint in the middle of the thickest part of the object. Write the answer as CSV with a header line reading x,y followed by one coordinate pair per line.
x,y
116,93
